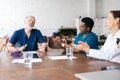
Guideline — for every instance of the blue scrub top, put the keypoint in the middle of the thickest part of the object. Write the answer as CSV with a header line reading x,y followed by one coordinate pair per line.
x,y
20,38
91,39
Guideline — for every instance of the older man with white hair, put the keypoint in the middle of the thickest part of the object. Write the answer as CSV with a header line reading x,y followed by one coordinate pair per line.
x,y
27,39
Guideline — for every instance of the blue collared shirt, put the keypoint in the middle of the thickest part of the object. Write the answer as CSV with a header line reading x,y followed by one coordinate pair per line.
x,y
20,38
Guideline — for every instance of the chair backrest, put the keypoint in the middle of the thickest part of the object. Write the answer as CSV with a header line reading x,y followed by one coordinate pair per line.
x,y
45,38
3,42
53,44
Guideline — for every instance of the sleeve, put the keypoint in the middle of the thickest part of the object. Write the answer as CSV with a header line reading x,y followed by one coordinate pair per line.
x,y
92,41
40,37
110,54
14,38
107,52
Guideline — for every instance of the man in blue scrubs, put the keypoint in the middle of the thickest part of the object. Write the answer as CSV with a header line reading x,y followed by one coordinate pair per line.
x,y
27,39
86,35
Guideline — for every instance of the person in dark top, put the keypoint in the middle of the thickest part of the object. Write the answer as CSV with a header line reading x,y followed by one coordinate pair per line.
x,y
27,39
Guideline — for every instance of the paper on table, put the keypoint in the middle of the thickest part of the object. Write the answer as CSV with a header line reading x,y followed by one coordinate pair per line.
x,y
22,60
30,52
59,57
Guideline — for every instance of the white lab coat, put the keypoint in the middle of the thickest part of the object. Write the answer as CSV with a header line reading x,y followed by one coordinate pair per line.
x,y
109,51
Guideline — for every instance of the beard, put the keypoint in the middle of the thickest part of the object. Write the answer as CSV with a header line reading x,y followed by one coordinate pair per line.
x,y
29,27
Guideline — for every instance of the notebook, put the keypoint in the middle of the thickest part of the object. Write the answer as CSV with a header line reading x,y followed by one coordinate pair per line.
x,y
99,75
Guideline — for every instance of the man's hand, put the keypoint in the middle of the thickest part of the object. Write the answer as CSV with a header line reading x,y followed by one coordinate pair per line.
x,y
83,46
22,47
42,47
11,48
41,53
75,48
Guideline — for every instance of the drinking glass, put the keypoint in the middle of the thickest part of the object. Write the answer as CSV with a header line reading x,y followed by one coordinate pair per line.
x,y
28,59
69,53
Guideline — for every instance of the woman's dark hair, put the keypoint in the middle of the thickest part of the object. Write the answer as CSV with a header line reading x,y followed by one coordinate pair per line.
x,y
88,22
116,13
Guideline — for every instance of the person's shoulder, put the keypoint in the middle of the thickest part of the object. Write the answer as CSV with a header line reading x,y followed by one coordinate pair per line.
x,y
80,34
110,35
19,30
36,30
93,34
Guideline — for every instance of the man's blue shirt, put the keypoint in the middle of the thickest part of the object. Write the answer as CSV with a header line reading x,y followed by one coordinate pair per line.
x,y
21,39
91,39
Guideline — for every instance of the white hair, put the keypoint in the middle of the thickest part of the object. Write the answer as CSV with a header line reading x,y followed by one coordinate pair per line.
x,y
29,17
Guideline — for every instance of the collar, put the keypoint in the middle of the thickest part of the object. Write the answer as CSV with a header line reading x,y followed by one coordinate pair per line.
x,y
117,35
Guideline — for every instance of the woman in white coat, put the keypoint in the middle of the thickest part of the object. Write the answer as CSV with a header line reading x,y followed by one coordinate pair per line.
x,y
110,50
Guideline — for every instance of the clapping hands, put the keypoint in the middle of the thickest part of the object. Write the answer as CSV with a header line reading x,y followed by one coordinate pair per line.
x,y
82,46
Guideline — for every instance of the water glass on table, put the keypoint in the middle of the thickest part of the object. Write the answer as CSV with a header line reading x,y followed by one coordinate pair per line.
x,y
28,59
69,53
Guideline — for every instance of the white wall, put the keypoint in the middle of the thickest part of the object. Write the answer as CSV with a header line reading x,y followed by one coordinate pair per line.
x,y
104,6
102,9
99,27
50,14
110,5
99,8
91,9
